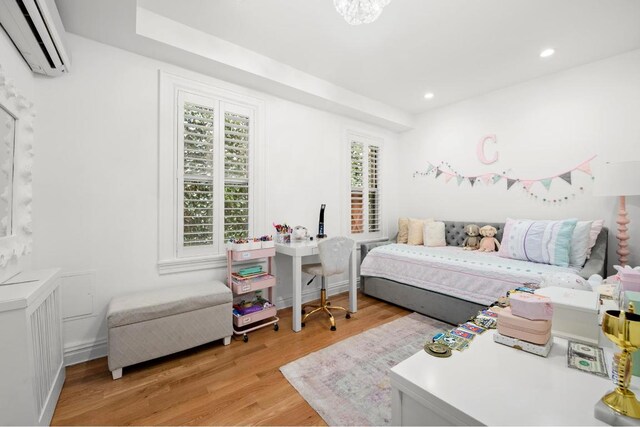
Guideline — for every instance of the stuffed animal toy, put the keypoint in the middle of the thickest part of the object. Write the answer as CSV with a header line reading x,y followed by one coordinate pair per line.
x,y
472,241
488,242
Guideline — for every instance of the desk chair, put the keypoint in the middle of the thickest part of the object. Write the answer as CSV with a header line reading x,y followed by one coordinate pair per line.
x,y
334,259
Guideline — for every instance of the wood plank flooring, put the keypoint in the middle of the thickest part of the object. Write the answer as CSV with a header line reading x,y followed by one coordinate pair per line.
x,y
239,384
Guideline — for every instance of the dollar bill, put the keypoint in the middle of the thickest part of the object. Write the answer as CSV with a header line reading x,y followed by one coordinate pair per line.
x,y
586,357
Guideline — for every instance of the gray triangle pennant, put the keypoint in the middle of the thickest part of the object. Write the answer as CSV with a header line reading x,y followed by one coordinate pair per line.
x,y
510,182
472,180
438,172
566,176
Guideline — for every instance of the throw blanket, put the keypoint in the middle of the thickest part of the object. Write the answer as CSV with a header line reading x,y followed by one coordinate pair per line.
x,y
480,277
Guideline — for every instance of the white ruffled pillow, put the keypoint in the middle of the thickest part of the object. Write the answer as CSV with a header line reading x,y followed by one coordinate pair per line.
x,y
580,243
434,234
596,228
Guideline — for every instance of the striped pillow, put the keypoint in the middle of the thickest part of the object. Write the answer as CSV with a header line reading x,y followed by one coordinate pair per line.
x,y
546,242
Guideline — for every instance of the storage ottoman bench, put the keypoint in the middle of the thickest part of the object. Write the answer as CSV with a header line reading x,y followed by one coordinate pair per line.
x,y
156,323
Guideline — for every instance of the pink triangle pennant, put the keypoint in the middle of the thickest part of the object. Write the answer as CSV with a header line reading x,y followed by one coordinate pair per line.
x,y
486,178
527,184
585,167
447,176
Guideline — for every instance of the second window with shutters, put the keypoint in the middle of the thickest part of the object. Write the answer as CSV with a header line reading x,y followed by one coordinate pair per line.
x,y
214,173
365,215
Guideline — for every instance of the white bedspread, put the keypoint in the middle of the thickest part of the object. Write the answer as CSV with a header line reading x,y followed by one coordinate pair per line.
x,y
475,276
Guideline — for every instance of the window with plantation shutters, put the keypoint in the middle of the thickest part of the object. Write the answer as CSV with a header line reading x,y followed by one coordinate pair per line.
x,y
210,172
357,187
214,174
197,175
236,175
373,201
364,197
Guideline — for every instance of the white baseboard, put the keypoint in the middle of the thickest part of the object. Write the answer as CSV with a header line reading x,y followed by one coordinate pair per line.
x,y
85,351
313,294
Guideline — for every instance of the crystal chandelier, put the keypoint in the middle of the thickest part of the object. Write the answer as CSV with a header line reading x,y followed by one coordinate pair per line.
x,y
357,12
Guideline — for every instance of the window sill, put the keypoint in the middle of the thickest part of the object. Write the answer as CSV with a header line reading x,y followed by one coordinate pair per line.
x,y
181,265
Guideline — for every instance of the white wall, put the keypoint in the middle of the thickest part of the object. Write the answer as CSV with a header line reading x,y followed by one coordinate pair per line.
x,y
96,186
544,127
17,71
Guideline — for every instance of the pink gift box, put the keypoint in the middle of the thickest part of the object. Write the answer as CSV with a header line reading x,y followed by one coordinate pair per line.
x,y
531,306
630,279
533,331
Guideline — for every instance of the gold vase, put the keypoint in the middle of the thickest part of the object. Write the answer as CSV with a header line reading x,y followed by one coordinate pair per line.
x,y
624,330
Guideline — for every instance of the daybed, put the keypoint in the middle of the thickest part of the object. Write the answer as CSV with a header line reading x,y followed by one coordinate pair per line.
x,y
451,284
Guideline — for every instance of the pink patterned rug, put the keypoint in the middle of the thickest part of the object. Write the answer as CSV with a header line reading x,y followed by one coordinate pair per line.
x,y
348,383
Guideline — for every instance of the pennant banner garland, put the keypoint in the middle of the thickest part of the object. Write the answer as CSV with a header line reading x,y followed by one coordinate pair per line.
x,y
494,178
566,176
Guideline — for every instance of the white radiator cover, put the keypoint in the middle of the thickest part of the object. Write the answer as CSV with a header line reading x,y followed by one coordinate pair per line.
x,y
31,348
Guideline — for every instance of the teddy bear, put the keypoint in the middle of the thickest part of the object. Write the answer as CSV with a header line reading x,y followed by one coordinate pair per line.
x,y
488,242
472,241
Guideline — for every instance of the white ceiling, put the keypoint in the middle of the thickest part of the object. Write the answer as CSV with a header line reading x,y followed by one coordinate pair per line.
x,y
454,48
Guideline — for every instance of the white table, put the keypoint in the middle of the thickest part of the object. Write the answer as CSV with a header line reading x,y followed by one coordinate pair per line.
x,y
492,384
289,260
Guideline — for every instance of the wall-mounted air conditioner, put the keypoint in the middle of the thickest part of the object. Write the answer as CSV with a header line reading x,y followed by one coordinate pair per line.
x,y
36,30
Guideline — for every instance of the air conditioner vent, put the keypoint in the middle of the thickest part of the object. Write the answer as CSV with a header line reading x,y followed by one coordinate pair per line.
x,y
36,30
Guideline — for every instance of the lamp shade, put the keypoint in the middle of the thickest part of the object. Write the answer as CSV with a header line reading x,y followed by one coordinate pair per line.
x,y
617,179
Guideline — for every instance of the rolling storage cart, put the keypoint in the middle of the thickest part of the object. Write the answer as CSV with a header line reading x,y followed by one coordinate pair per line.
x,y
259,318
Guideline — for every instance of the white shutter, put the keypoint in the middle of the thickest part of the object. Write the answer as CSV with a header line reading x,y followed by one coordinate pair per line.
x,y
373,187
364,197
357,187
237,140
196,174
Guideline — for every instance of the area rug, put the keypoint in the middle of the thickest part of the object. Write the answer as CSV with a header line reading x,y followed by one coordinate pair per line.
x,y
348,383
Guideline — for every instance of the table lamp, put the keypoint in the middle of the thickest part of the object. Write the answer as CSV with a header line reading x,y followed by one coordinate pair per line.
x,y
619,179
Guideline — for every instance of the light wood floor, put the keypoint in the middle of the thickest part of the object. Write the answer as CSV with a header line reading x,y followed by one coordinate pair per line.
x,y
214,384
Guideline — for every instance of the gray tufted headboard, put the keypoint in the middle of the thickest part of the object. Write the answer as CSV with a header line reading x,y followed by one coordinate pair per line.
x,y
455,235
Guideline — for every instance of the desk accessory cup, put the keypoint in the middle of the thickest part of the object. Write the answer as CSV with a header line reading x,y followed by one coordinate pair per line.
x,y
623,329
283,233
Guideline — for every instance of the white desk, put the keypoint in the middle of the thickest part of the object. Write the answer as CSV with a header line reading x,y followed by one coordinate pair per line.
x,y
491,384
289,256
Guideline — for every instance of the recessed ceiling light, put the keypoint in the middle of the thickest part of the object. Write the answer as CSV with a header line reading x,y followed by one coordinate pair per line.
x,y
429,95
547,53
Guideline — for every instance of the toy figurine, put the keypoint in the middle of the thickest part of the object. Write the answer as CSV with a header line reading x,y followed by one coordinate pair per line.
x,y
472,241
488,242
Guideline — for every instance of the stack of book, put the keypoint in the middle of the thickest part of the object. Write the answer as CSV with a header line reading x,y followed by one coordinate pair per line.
x,y
526,324
251,279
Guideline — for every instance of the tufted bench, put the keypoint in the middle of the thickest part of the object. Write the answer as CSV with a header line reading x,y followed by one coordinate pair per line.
x,y
156,323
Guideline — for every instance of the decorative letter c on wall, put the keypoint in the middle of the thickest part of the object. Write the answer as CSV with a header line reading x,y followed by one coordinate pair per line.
x,y
481,156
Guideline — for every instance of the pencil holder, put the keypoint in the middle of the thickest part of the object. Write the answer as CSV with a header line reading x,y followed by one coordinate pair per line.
x,y
283,238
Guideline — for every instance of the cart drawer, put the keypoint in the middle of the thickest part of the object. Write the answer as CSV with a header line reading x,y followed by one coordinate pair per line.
x,y
250,285
254,254
254,317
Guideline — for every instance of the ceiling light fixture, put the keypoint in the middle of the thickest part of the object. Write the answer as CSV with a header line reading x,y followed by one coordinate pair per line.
x,y
429,95
547,53
357,12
